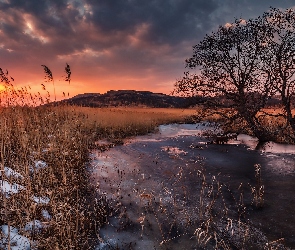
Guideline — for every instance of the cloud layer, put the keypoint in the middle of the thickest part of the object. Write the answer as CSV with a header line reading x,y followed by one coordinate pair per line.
x,y
118,44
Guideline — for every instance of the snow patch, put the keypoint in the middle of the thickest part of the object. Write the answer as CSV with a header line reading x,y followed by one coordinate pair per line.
x,y
11,173
46,214
38,165
41,200
34,226
17,241
8,189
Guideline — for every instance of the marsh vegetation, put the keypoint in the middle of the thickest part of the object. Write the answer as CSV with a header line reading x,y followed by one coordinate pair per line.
x,y
46,199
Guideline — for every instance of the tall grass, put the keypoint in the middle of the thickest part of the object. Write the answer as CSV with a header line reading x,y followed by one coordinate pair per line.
x,y
48,148
44,152
29,138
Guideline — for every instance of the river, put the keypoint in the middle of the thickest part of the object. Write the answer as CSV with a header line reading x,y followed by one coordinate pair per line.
x,y
175,190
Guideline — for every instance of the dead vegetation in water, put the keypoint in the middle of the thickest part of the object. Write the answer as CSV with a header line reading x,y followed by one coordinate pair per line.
x,y
206,214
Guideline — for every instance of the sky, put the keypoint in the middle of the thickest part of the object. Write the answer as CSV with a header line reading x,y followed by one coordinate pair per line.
x,y
111,44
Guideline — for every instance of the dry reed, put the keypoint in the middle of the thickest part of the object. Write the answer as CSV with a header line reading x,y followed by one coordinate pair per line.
x,y
44,151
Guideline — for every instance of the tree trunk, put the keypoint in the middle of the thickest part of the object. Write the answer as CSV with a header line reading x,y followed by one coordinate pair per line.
x,y
257,129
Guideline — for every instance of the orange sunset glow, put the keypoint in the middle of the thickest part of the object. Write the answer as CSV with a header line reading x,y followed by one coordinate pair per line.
x,y
110,45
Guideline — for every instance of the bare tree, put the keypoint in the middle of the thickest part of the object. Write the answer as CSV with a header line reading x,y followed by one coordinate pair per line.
x,y
281,58
233,72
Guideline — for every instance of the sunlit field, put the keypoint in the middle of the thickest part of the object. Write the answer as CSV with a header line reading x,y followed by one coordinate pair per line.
x,y
117,123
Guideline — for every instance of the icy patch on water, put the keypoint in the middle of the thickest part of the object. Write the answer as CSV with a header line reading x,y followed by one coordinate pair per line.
x,y
272,147
281,165
124,240
269,147
174,130
248,140
147,192
145,198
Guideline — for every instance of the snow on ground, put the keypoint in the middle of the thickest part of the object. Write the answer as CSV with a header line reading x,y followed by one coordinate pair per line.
x,y
38,165
12,237
34,226
41,200
17,241
46,214
10,188
11,173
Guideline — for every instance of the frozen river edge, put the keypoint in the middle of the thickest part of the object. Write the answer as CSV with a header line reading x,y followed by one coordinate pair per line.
x,y
155,181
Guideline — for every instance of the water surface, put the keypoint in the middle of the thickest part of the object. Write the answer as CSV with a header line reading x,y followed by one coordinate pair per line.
x,y
156,185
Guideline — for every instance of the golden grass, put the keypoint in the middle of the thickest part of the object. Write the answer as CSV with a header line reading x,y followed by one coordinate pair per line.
x,y
118,117
54,136
119,123
62,137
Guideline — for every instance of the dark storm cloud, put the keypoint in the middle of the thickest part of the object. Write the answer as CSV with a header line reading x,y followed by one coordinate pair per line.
x,y
170,20
114,37
167,21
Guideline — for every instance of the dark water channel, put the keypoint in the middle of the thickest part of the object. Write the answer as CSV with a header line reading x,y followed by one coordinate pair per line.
x,y
167,188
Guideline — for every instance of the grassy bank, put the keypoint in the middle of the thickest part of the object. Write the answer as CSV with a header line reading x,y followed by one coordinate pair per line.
x,y
45,196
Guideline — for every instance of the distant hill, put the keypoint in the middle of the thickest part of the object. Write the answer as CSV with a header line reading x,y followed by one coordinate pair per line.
x,y
117,98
